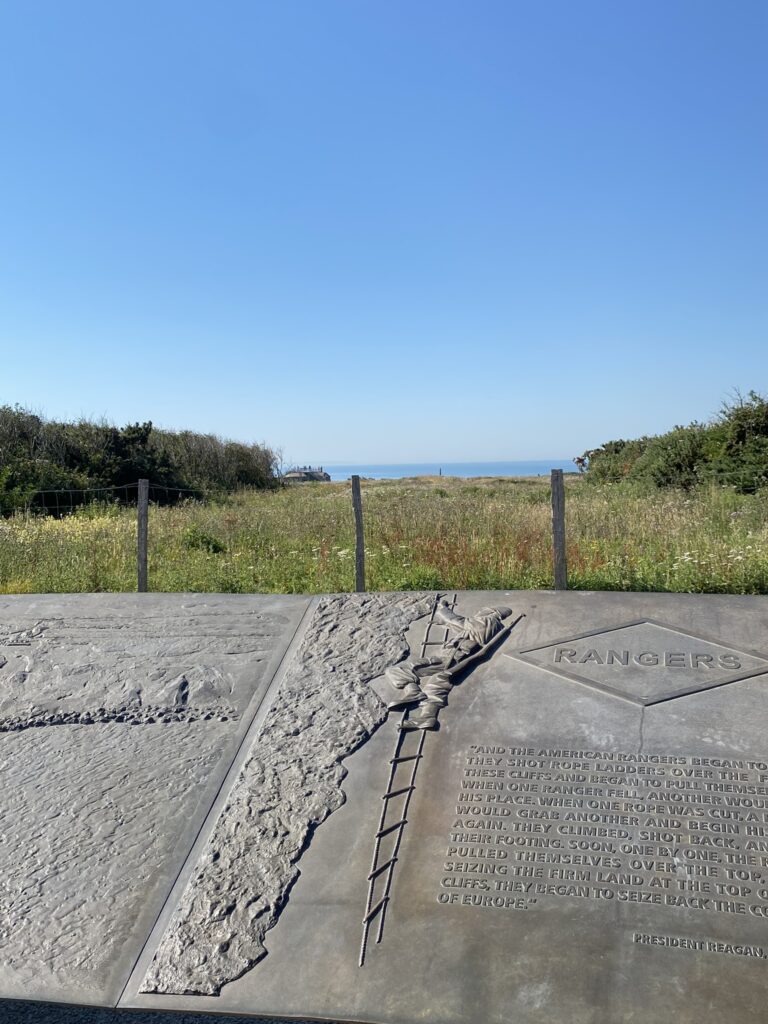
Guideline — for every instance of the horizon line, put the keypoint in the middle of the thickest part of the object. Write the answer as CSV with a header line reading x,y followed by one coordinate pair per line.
x,y
439,462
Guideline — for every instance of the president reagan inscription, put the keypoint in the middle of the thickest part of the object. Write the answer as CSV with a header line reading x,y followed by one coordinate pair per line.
x,y
534,826
645,662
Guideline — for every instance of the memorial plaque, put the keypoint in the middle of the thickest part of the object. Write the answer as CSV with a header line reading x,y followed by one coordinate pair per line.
x,y
470,807
645,661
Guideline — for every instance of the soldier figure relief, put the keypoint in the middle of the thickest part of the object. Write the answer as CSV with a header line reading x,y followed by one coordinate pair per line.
x,y
427,681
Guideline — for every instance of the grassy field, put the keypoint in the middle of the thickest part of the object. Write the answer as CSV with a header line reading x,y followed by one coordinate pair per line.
x,y
426,533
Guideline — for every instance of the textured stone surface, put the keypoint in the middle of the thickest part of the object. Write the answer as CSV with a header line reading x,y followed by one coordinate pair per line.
x,y
632,894
86,821
585,843
13,1012
289,784
174,663
119,716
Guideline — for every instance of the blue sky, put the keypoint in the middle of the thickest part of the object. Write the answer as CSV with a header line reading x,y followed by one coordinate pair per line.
x,y
384,231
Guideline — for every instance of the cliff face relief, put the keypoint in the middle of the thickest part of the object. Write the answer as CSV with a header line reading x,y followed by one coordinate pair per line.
x,y
166,667
95,811
289,784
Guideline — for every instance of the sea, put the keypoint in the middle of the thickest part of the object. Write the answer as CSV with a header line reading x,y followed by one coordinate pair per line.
x,y
399,470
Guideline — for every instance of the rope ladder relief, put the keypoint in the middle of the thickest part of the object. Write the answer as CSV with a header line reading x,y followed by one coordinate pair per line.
x,y
401,783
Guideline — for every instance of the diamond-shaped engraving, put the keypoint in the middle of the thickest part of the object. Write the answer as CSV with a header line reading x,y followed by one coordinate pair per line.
x,y
645,662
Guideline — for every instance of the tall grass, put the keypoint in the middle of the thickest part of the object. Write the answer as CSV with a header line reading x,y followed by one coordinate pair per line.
x,y
427,533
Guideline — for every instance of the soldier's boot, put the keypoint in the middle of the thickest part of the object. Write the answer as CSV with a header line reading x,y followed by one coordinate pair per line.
x,y
424,717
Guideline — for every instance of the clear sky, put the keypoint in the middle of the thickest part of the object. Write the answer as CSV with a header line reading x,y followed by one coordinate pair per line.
x,y
385,231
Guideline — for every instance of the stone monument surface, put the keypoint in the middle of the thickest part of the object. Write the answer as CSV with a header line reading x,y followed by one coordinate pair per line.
x,y
453,808
119,716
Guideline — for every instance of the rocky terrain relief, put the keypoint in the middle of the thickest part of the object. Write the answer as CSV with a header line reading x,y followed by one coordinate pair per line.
x,y
290,782
112,726
162,667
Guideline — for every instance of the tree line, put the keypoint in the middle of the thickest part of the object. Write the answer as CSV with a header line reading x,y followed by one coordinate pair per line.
x,y
731,449
38,455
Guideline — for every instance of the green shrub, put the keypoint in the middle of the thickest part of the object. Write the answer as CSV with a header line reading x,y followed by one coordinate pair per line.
x,y
731,450
38,455
197,539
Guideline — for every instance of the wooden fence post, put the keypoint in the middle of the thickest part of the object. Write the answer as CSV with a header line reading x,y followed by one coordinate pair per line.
x,y
142,534
558,530
357,505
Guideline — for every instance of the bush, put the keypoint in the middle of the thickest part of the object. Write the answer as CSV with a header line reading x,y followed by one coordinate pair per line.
x,y
674,459
614,461
38,455
731,450
195,539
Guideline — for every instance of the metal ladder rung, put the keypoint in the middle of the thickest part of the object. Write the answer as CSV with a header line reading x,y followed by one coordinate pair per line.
x,y
398,792
410,757
381,870
385,831
379,906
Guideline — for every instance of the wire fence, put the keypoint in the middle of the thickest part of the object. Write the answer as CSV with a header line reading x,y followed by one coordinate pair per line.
x,y
62,502
316,538
144,493
65,501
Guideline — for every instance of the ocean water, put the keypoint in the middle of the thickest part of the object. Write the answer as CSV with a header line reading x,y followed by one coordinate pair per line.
x,y
396,471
